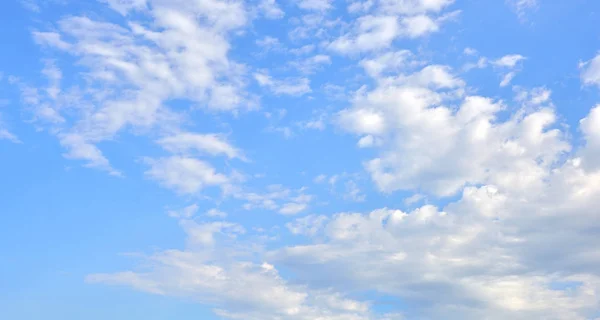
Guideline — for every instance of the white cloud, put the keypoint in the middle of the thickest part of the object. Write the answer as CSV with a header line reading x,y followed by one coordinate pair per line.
x,y
125,6
6,135
320,178
305,49
168,50
367,121
377,32
30,5
426,144
480,64
518,239
184,175
413,7
353,192
414,199
590,71
470,51
78,148
522,7
268,42
293,87
492,252
316,123
203,234
307,226
366,141
360,6
276,198
216,213
507,78
52,39
417,26
312,64
590,126
389,62
238,289
271,9
318,5
509,61
371,33
184,213
292,208
211,144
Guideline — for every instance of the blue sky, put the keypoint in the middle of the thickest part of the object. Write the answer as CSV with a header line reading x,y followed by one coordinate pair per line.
x,y
310,159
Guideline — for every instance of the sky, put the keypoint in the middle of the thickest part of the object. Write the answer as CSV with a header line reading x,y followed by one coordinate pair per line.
x,y
307,159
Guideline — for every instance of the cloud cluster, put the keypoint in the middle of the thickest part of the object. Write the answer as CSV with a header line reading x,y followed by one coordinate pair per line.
x,y
163,50
383,22
436,138
514,237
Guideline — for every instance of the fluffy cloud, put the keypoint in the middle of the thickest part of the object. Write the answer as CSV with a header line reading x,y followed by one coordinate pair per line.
x,y
590,126
514,235
428,144
237,289
79,149
590,74
167,50
391,20
494,253
183,174
414,6
292,208
511,63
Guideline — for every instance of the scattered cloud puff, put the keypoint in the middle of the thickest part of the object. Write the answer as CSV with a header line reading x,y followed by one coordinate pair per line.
x,y
590,71
183,174
293,87
523,7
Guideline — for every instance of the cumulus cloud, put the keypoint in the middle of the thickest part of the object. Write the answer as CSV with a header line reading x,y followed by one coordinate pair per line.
x,y
493,253
184,175
514,234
